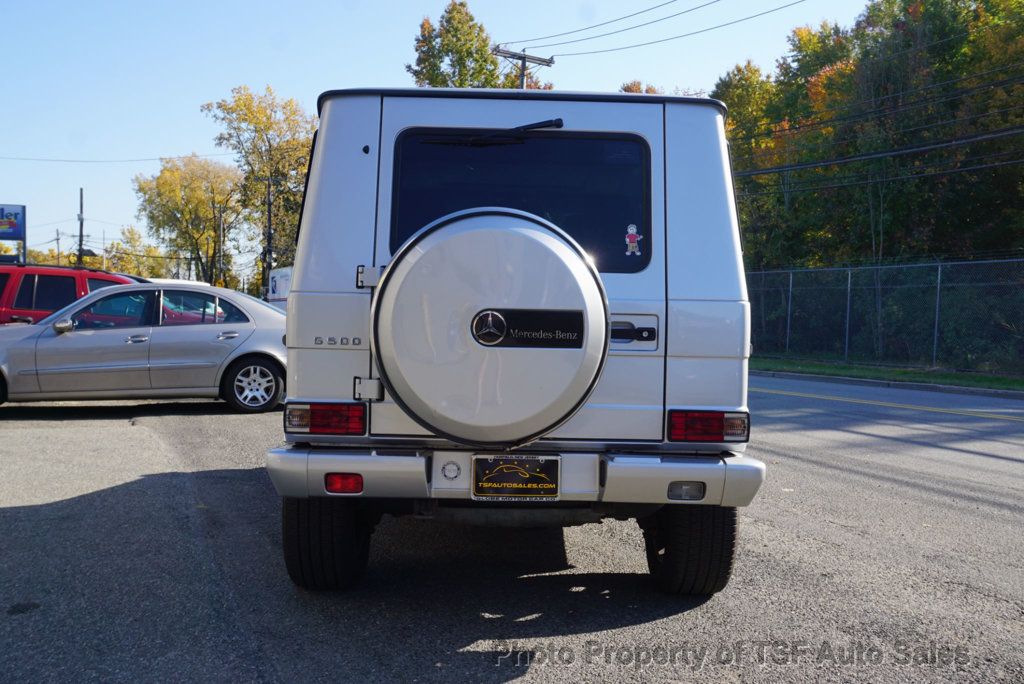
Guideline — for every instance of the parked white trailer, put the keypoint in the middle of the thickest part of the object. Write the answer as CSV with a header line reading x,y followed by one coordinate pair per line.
x,y
279,287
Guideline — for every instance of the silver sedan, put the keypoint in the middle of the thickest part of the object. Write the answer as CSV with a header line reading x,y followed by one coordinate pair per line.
x,y
147,341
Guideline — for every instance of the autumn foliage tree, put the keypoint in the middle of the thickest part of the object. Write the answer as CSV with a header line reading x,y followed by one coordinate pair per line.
x,y
271,138
133,255
188,205
456,53
812,142
638,86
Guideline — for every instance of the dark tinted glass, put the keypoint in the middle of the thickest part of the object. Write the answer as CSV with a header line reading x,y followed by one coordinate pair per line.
x,y
97,283
229,313
3,282
54,292
596,188
127,310
188,308
24,300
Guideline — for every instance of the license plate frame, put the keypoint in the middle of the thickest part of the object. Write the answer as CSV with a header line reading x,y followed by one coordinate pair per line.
x,y
499,477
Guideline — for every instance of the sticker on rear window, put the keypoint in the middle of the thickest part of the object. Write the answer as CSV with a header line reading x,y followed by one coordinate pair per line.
x,y
632,240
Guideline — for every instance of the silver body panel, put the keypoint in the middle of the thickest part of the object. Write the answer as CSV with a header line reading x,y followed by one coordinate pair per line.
x,y
730,479
38,364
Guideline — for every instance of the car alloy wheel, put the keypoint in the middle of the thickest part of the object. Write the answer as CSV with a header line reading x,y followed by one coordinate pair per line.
x,y
255,386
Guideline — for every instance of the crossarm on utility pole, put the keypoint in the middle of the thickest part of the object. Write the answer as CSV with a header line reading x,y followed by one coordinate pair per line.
x,y
523,60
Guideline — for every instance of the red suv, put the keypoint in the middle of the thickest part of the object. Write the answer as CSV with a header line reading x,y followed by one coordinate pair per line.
x,y
29,292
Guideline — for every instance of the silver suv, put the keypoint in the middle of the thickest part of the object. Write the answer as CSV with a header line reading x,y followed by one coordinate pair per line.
x,y
517,308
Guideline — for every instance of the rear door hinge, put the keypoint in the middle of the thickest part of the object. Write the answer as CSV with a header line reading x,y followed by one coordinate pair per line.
x,y
368,389
368,276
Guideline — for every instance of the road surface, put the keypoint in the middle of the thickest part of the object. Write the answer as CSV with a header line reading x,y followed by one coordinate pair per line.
x,y
140,541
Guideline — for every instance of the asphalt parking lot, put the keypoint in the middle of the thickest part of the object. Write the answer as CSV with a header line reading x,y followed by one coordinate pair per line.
x,y
140,541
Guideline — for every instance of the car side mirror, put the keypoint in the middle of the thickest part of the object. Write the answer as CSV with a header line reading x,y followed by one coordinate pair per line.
x,y
64,325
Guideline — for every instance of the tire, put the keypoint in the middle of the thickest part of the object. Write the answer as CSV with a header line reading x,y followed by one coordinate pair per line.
x,y
255,396
690,548
326,542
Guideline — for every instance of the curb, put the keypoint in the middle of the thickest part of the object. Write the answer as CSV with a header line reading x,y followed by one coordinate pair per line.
x,y
897,384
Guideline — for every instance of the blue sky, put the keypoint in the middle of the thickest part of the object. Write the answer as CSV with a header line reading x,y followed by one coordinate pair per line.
x,y
116,80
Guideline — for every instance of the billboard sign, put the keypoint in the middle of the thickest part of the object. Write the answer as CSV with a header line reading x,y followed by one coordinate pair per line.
x,y
12,222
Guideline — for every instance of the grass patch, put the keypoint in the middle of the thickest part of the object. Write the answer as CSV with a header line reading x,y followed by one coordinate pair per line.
x,y
936,377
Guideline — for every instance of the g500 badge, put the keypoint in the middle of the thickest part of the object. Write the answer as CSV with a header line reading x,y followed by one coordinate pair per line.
x,y
528,328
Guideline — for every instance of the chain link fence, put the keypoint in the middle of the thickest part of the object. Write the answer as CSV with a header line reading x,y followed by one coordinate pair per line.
x,y
957,315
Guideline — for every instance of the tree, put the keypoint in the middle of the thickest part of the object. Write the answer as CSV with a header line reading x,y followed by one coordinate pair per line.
x,y
271,138
511,80
455,54
639,87
132,255
184,206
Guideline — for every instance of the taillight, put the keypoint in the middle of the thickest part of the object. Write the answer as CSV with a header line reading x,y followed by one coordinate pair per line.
x,y
343,483
708,426
326,419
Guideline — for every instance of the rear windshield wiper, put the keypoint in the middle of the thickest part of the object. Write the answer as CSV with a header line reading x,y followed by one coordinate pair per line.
x,y
506,136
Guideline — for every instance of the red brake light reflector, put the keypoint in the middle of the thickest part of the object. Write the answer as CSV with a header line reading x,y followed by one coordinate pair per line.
x,y
337,419
708,426
326,419
343,483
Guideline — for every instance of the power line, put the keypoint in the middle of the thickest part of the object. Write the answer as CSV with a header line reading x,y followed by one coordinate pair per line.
x,y
628,28
924,127
587,28
109,223
884,180
886,111
53,223
811,183
851,106
683,35
999,133
112,161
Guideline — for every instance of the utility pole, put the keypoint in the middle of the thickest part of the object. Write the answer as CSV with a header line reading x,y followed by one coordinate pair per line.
x,y
220,248
81,223
268,253
58,246
523,59
104,243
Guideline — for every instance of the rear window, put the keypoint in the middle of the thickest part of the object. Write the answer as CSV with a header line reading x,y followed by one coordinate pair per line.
x,y
188,308
25,292
54,292
98,283
193,308
595,187
3,282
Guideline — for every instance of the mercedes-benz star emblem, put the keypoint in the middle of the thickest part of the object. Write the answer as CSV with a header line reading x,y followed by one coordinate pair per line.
x,y
489,328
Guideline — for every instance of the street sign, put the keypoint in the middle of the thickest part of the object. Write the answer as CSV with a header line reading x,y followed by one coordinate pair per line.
x,y
12,222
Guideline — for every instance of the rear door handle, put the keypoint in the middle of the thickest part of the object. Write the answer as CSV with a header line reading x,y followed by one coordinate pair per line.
x,y
136,339
626,332
230,335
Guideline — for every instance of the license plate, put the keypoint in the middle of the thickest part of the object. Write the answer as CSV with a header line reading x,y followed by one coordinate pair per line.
x,y
516,478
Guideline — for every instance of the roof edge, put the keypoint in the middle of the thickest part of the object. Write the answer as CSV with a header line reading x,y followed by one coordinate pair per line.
x,y
516,94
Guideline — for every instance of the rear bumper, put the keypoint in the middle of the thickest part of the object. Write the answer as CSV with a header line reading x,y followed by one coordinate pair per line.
x,y
729,479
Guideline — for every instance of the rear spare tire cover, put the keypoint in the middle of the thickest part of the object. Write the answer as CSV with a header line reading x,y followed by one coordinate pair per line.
x,y
490,327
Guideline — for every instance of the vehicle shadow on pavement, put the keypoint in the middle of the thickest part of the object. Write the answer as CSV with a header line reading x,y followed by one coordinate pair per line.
x,y
121,410
178,575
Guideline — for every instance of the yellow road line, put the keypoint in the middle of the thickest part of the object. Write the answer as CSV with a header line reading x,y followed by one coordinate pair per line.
x,y
887,404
